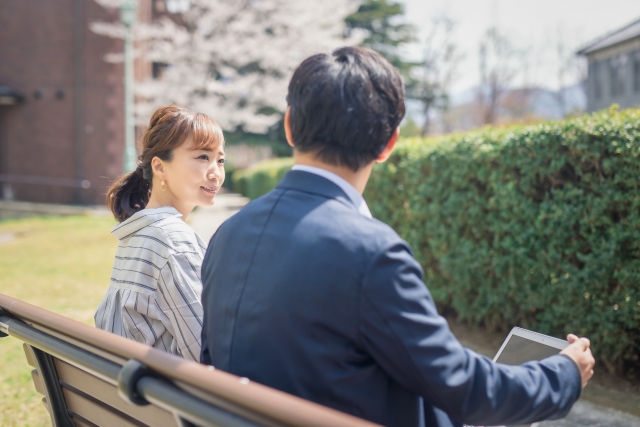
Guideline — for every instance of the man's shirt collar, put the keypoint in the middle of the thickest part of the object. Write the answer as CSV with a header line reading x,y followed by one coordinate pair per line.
x,y
353,194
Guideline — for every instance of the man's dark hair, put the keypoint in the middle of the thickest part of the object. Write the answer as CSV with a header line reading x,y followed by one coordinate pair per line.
x,y
345,106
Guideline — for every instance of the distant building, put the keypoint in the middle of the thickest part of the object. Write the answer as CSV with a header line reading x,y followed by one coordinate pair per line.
x,y
61,104
614,69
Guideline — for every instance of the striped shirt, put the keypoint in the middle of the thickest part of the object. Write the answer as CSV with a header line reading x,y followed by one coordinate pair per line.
x,y
155,292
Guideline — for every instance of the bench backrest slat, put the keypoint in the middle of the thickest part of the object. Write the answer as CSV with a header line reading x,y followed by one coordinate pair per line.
x,y
46,382
97,414
80,382
37,382
82,423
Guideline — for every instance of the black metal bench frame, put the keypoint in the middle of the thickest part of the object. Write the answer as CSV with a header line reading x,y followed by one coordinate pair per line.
x,y
194,394
135,382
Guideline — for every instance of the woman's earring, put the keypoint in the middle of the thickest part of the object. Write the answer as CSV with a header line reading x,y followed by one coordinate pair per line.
x,y
164,187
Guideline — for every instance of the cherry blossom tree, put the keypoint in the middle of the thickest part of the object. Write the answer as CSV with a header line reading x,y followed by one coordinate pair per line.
x,y
232,59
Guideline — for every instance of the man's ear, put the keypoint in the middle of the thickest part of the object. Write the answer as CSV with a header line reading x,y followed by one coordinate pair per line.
x,y
287,127
389,148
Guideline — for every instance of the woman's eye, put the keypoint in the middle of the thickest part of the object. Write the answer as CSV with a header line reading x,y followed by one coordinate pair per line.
x,y
222,161
204,157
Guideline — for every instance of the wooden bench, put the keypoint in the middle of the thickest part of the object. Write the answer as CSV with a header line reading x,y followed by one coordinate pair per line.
x,y
90,377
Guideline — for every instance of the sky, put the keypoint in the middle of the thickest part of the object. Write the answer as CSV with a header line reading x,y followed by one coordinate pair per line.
x,y
531,25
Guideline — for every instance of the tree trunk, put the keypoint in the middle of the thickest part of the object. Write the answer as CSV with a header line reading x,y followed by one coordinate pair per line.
x,y
427,121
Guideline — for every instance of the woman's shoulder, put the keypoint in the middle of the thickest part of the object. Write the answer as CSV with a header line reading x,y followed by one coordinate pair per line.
x,y
161,230
177,235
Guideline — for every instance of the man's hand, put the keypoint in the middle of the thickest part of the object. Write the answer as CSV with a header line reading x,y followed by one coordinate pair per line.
x,y
580,352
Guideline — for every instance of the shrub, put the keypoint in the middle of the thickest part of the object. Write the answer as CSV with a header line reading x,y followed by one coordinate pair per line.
x,y
261,178
537,226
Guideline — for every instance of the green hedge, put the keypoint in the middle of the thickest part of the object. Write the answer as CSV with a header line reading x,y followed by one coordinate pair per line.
x,y
537,226
261,178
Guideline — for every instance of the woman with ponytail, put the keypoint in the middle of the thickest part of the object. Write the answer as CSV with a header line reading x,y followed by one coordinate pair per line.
x,y
155,290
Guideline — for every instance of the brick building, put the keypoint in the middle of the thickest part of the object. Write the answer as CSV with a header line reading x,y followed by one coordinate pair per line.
x,y
61,104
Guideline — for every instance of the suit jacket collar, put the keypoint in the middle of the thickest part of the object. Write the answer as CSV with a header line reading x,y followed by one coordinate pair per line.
x,y
316,184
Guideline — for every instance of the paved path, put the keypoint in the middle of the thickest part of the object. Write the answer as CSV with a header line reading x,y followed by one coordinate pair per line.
x,y
205,221
16,209
587,414
6,238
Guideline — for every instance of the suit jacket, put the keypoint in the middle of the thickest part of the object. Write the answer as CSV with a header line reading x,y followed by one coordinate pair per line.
x,y
304,294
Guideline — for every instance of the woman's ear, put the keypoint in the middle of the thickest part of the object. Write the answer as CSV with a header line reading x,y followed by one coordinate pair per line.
x,y
287,126
157,165
389,148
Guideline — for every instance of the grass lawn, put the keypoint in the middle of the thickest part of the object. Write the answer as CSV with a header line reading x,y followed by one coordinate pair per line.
x,y
62,264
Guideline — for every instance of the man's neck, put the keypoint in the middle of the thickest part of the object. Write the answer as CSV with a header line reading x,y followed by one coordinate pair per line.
x,y
357,179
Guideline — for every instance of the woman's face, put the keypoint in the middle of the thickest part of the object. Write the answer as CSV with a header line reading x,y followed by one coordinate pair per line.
x,y
192,177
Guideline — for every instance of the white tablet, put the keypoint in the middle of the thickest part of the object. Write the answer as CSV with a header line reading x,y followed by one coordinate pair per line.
x,y
523,346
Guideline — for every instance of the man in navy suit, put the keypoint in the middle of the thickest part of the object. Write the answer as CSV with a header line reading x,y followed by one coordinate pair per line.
x,y
305,292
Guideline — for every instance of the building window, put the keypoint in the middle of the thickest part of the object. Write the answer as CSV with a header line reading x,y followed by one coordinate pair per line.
x,y
596,72
617,75
636,71
158,69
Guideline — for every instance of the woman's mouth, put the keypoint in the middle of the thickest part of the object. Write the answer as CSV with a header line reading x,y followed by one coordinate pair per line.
x,y
210,190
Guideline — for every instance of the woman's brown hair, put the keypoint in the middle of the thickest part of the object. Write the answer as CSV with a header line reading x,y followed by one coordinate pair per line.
x,y
168,128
